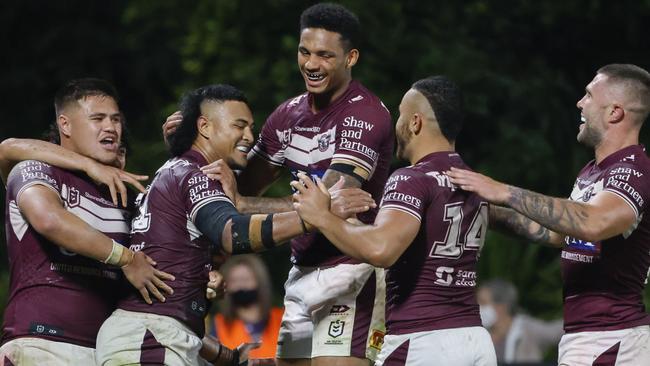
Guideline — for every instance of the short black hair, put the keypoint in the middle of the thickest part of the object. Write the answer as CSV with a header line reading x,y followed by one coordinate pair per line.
x,y
446,100
73,91
78,89
636,80
334,18
182,139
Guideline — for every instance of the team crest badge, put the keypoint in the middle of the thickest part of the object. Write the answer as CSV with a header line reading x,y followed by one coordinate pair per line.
x,y
336,328
323,142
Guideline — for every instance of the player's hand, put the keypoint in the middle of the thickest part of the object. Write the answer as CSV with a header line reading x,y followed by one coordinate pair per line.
x,y
171,124
220,171
216,286
245,349
114,178
311,199
140,272
347,202
493,191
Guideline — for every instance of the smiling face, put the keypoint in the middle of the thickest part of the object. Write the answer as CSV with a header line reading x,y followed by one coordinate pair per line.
x,y
324,64
229,130
593,111
92,126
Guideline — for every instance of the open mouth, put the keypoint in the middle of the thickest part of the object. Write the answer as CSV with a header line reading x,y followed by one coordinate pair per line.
x,y
314,78
109,143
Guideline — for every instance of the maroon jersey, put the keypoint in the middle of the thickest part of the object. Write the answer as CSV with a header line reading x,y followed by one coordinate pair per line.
x,y
604,280
164,229
431,286
355,130
53,293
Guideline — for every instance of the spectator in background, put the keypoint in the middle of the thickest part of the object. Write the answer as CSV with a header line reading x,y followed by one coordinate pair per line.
x,y
516,337
246,314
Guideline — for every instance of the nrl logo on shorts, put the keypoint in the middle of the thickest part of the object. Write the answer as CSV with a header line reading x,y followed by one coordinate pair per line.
x,y
336,328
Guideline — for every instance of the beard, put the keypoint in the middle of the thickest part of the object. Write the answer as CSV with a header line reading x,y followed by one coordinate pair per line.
x,y
589,136
403,139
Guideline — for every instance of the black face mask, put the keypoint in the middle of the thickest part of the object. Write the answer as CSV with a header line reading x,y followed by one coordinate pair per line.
x,y
244,297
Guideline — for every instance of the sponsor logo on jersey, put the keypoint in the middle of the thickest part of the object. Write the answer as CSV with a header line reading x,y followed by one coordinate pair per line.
x,y
580,244
376,339
339,309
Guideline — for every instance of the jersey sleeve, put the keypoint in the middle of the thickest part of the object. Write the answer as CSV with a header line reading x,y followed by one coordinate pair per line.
x,y
32,172
405,191
361,132
630,183
199,190
273,139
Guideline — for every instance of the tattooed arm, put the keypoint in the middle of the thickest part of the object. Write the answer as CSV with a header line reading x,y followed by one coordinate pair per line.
x,y
604,216
511,221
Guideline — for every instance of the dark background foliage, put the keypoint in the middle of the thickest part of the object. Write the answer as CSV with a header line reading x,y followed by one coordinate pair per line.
x,y
522,65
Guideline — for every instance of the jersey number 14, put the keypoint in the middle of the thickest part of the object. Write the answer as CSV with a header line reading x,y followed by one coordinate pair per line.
x,y
456,241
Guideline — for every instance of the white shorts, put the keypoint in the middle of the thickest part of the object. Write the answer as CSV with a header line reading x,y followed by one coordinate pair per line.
x,y
627,347
470,346
132,338
38,351
334,311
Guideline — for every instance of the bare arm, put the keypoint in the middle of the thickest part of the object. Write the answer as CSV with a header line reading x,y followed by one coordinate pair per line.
x,y
507,219
252,205
258,176
380,244
13,151
604,216
44,211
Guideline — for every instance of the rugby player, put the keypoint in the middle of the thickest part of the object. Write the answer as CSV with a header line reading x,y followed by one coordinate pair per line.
x,y
182,219
64,235
427,234
603,228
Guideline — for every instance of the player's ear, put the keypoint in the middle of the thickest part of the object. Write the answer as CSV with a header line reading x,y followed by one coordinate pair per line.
x,y
203,126
415,124
352,58
616,113
63,122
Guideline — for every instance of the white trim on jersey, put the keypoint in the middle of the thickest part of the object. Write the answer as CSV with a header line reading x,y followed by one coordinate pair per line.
x,y
626,199
403,209
38,182
305,151
277,159
204,202
18,222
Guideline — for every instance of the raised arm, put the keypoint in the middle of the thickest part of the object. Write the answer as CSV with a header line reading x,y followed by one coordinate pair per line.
x,y
604,216
13,151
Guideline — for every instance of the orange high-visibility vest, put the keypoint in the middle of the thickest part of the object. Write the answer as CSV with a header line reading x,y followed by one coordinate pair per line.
x,y
232,334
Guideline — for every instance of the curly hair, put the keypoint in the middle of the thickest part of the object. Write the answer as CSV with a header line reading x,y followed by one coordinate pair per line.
x,y
333,18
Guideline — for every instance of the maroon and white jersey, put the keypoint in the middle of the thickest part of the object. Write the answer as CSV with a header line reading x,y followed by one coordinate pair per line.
x,y
604,281
431,286
53,293
164,229
355,130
